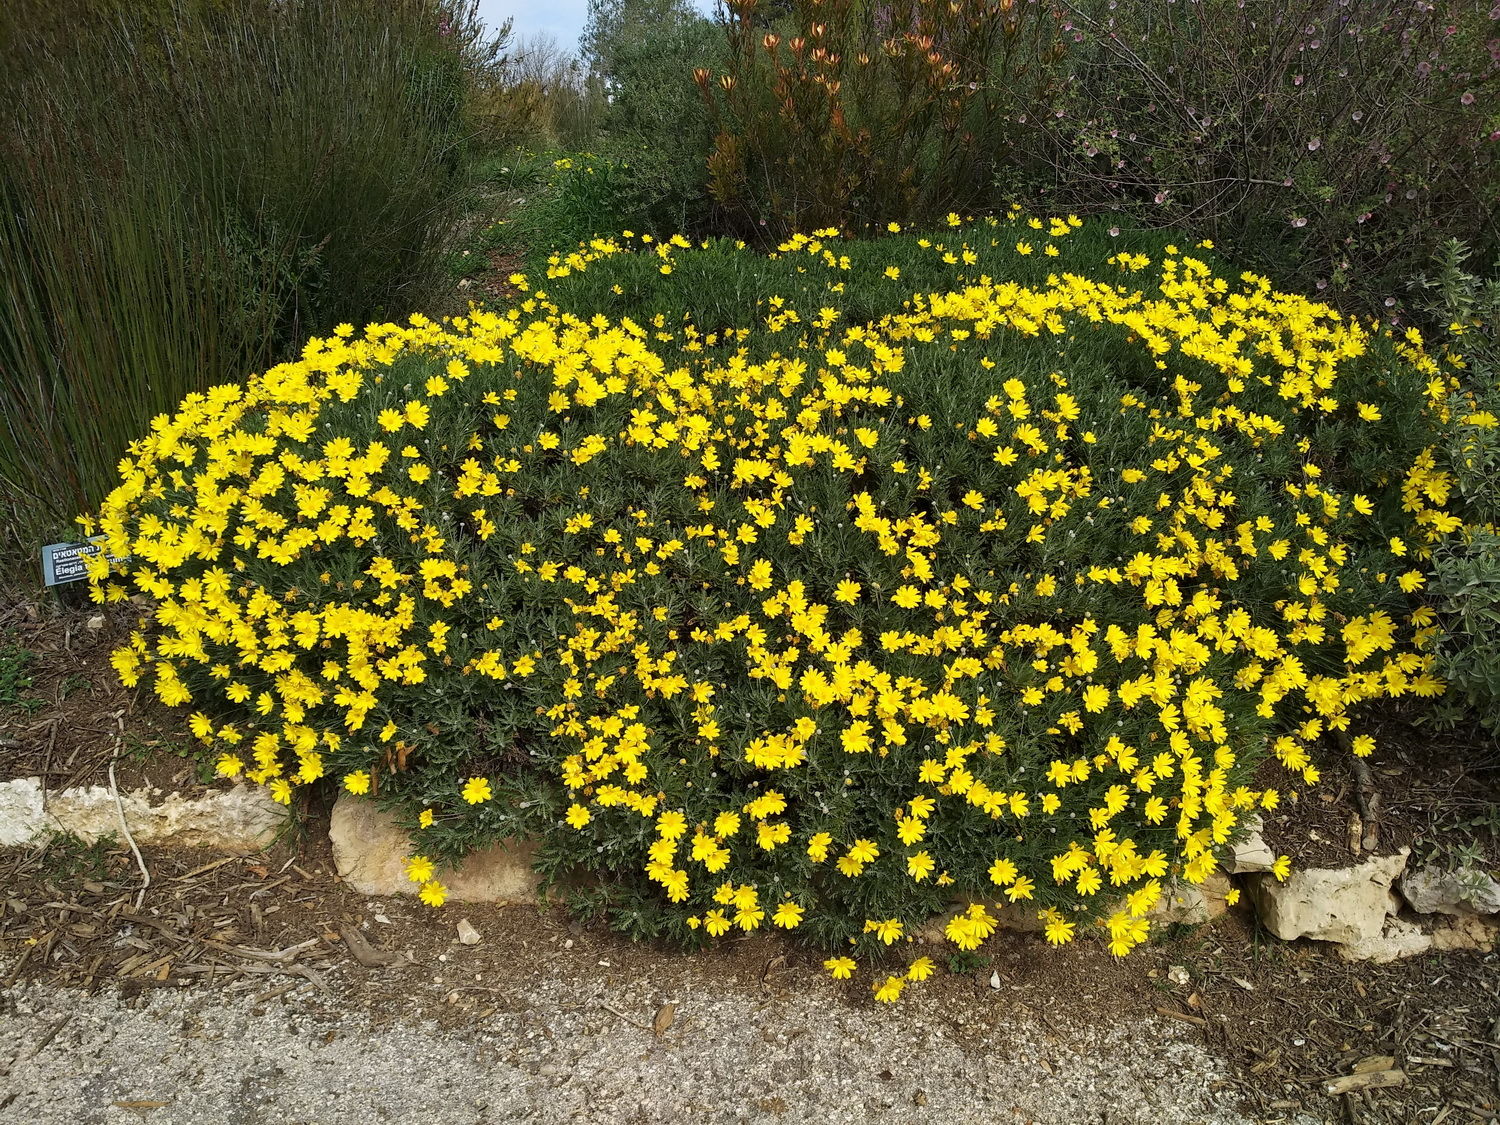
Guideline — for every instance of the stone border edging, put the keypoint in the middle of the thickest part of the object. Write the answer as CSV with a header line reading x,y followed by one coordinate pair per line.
x,y
1369,910
241,820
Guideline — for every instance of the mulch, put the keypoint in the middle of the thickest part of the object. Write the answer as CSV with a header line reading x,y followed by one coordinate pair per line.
x,y
76,716
77,918
1294,1016
1422,785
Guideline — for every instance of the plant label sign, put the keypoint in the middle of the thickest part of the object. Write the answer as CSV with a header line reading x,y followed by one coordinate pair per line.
x,y
64,562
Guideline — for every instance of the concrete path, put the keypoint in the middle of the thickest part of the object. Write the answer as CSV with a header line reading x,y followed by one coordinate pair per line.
x,y
579,1048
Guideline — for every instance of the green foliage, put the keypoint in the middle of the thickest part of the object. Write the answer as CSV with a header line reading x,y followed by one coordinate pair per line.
x,y
1466,572
962,962
68,858
15,677
188,187
649,74
720,287
553,201
622,132
1466,589
1332,148
615,28
1462,842
1466,309
644,52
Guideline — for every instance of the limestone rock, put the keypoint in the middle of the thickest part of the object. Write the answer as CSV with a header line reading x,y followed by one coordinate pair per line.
x,y
1250,853
1467,931
1018,917
1398,939
370,852
1434,890
242,820
931,932
1348,905
1215,890
1192,905
21,816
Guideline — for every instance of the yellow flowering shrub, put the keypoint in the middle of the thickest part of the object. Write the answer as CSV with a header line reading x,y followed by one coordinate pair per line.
x,y
1004,565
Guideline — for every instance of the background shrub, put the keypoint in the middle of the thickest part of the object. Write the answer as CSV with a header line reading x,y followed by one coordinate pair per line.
x,y
1466,571
840,113
1332,146
645,52
556,200
282,166
538,96
614,139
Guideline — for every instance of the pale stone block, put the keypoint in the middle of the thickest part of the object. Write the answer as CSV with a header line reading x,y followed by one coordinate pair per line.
x,y
370,852
1344,904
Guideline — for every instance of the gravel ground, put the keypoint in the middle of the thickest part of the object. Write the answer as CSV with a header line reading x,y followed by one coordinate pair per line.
x,y
572,1051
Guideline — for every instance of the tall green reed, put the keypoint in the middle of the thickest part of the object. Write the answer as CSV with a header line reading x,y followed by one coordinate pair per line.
x,y
187,187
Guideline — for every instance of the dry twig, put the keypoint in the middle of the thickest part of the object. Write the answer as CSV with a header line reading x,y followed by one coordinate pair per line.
x,y
114,791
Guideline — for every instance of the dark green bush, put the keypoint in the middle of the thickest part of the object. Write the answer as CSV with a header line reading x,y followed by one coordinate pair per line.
x,y
1466,571
645,53
809,590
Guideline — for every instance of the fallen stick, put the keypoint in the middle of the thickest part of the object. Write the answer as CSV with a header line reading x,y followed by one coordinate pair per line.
x,y
628,1019
1368,1080
315,977
1366,796
365,953
206,867
41,1044
1197,1021
154,923
279,956
114,792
